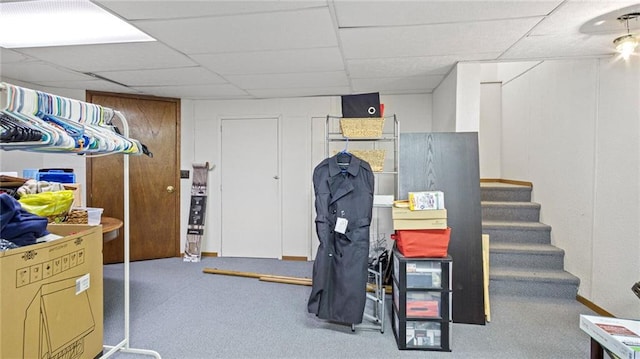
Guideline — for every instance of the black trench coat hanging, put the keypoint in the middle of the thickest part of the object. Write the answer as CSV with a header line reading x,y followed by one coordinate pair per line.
x,y
340,269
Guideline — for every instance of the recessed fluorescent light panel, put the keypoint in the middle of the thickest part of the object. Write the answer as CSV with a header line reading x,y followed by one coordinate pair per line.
x,y
62,22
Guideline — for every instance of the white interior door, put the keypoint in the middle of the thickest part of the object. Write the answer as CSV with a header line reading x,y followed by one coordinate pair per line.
x,y
250,188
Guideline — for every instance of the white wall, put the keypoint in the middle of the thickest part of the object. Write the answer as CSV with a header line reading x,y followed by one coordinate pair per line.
x,y
572,129
413,111
200,123
490,133
300,121
616,225
444,103
468,97
492,77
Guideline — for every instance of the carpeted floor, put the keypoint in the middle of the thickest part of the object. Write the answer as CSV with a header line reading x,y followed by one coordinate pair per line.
x,y
181,312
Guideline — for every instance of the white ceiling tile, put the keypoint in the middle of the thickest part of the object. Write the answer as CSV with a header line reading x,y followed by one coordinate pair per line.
x,y
165,9
433,40
161,77
559,46
290,48
194,91
8,56
274,81
417,84
111,57
579,16
39,71
271,62
94,85
393,13
254,32
410,66
300,92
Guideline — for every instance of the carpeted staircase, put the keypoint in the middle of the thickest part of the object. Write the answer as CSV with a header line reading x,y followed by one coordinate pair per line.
x,y
522,259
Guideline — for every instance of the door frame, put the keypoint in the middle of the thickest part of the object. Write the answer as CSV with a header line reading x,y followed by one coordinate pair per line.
x,y
317,155
279,223
88,163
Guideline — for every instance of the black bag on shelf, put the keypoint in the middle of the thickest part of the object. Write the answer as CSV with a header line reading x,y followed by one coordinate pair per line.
x,y
362,105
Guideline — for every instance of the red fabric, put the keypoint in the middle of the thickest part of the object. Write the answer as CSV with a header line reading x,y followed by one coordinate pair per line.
x,y
423,242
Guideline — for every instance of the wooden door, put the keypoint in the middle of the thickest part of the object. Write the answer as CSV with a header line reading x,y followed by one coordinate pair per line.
x,y
250,194
154,182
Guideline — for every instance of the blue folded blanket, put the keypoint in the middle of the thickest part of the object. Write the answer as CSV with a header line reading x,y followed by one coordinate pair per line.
x,y
18,225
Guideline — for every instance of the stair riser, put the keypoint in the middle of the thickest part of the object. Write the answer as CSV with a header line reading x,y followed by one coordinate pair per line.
x,y
527,260
518,236
533,289
505,195
520,214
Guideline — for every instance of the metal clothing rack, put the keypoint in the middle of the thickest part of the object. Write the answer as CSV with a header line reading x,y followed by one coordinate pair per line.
x,y
377,298
124,345
378,292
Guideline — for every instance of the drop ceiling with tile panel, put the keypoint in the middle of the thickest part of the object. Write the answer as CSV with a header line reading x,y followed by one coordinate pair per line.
x,y
272,49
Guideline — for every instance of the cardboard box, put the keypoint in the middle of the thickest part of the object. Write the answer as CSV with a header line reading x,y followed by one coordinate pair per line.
x,y
405,218
406,213
51,296
620,336
433,223
77,193
421,201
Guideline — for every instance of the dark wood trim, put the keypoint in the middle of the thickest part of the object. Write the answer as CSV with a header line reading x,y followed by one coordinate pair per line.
x,y
589,304
597,351
508,181
133,96
295,258
89,94
178,168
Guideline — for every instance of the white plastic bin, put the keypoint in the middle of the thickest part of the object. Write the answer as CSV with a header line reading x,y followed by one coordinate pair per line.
x,y
94,216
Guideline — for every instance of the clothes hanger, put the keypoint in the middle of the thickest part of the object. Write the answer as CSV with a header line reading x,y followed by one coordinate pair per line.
x,y
65,124
21,107
344,158
14,131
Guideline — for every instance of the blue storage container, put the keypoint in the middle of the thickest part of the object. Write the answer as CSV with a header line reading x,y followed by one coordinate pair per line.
x,y
59,175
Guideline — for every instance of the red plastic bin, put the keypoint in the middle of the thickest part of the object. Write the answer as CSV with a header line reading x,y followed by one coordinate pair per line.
x,y
423,242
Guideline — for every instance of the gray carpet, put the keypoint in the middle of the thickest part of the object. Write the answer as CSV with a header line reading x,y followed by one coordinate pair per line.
x,y
181,312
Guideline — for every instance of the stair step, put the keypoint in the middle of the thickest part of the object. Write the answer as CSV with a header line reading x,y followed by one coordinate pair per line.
x,y
522,260
510,211
538,283
525,255
496,191
517,232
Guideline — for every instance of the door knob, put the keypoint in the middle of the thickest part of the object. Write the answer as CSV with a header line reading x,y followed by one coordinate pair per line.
x,y
276,177
170,189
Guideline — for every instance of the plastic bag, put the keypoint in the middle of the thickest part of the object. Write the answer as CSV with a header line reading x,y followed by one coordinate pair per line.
x,y
5,244
53,205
